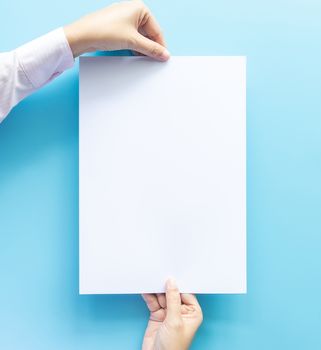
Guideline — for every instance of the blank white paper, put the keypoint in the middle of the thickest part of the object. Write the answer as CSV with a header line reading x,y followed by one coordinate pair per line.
x,y
162,174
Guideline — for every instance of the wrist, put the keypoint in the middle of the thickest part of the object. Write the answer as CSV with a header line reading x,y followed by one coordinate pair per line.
x,y
76,39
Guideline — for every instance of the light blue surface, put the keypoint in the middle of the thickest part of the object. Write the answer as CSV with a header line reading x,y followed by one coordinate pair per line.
x,y
39,303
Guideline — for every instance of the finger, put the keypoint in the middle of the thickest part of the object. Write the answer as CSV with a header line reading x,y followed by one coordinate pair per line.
x,y
190,299
153,30
150,48
187,309
151,302
191,305
173,300
161,300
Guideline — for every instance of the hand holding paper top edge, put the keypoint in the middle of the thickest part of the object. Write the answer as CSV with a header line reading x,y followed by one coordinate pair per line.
x,y
124,25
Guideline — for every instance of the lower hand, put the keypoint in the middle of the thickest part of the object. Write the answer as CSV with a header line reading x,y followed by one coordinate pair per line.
x,y
124,25
174,319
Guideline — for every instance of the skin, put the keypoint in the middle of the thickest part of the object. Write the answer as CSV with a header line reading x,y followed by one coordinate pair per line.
x,y
174,317
124,25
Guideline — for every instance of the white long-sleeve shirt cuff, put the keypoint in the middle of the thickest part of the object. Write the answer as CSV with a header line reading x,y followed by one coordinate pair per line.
x,y
26,69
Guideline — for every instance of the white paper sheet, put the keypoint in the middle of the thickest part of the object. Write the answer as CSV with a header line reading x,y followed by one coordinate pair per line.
x,y
162,174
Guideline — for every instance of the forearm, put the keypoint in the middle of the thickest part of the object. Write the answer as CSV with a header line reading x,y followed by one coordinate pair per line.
x,y
29,67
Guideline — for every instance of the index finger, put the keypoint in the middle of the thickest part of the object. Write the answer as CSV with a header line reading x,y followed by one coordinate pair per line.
x,y
153,29
151,302
190,299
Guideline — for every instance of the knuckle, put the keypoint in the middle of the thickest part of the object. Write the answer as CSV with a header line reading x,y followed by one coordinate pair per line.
x,y
140,4
155,51
200,317
131,42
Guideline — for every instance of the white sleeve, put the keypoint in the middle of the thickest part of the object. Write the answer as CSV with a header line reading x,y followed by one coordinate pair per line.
x,y
26,69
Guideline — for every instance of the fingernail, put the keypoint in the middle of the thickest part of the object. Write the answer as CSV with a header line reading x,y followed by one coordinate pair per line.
x,y
165,55
171,283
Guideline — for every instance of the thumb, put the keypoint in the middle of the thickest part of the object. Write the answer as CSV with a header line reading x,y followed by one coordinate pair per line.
x,y
173,301
150,48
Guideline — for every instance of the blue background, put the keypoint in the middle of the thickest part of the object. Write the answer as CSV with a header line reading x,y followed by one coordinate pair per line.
x,y
39,303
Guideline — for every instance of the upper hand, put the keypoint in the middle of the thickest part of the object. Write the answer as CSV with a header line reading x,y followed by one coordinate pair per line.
x,y
174,319
124,25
